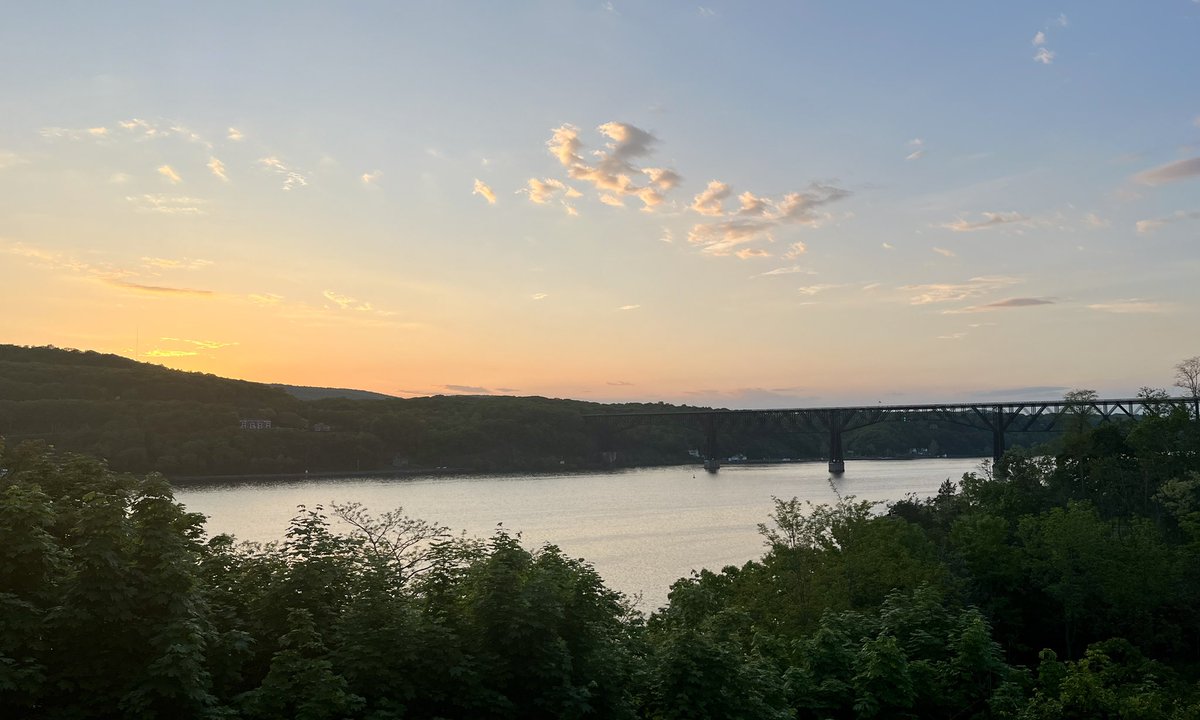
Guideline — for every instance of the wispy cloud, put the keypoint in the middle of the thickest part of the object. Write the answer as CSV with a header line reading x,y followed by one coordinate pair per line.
x,y
467,389
944,252
538,296
158,289
166,204
218,168
1131,306
790,270
990,220
915,155
484,191
955,292
175,264
345,302
202,344
1146,227
1017,302
371,178
169,173
629,307
811,290
265,298
1169,173
11,159
160,353
291,178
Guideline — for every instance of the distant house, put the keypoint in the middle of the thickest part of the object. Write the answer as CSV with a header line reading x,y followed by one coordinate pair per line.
x,y
255,424
321,427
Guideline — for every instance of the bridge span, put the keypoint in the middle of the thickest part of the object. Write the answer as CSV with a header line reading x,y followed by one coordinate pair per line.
x,y
998,417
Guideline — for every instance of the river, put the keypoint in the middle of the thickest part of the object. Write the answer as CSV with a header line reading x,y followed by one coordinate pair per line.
x,y
641,529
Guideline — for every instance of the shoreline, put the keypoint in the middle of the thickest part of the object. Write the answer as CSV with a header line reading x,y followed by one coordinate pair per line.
x,y
184,480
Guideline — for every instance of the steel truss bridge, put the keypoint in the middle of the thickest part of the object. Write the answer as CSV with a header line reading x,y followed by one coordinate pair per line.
x,y
1000,418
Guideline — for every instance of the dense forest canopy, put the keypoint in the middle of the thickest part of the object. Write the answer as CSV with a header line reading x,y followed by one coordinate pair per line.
x,y
1059,585
142,417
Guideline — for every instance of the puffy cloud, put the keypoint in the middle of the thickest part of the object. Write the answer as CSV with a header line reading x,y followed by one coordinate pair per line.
x,y
990,220
371,178
169,173
1148,226
218,168
614,168
483,190
1044,56
662,178
954,292
758,217
795,250
1171,172
709,201
612,200
1039,39
1095,221
752,205
234,134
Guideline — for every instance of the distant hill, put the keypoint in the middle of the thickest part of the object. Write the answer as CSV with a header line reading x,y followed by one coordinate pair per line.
x,y
141,417
305,392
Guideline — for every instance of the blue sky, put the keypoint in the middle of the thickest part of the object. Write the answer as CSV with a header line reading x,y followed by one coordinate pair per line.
x,y
736,204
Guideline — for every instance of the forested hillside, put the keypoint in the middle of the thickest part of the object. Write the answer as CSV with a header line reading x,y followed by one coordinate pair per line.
x,y
1059,586
142,417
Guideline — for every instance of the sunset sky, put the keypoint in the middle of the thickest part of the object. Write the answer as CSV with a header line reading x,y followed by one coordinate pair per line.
x,y
737,204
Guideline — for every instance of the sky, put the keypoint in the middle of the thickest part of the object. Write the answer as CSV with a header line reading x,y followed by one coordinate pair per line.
x,y
731,204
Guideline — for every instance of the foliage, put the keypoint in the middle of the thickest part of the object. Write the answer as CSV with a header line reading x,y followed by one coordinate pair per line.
x,y
1063,587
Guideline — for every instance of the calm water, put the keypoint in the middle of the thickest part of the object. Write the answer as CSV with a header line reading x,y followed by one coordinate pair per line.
x,y
642,529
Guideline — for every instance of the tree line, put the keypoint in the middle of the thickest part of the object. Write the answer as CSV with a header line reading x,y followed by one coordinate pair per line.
x,y
145,418
1059,584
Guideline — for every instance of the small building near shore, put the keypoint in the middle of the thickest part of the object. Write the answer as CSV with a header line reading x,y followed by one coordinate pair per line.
x,y
254,424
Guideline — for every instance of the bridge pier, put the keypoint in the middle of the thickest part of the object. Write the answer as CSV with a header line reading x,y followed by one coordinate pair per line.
x,y
711,462
837,457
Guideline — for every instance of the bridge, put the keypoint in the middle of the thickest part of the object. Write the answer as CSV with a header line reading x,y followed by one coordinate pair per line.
x,y
1000,418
